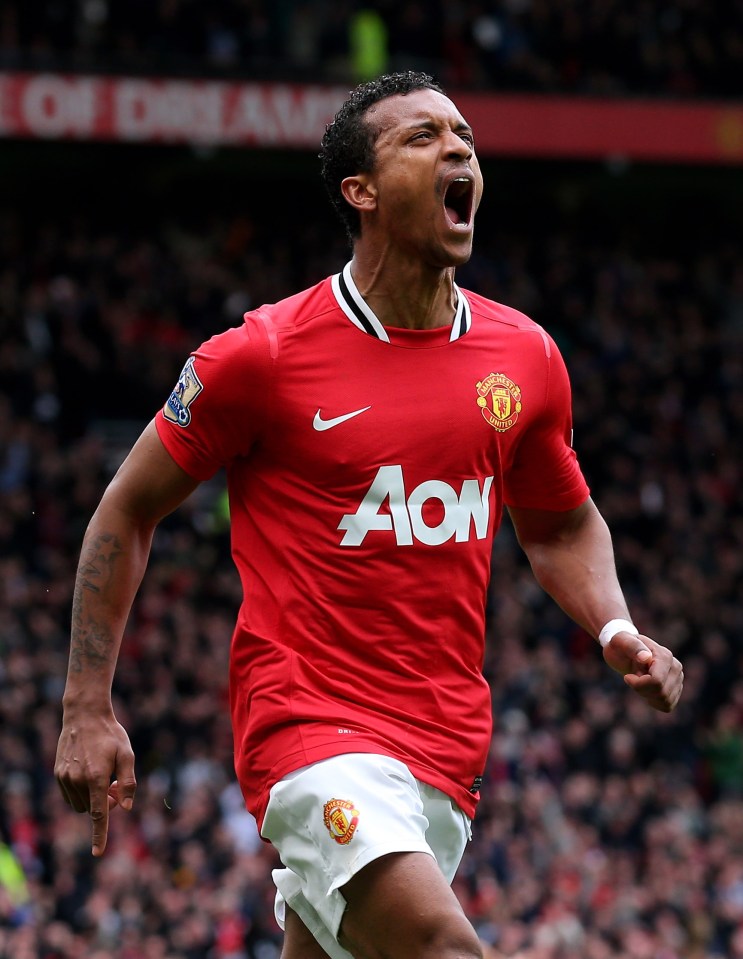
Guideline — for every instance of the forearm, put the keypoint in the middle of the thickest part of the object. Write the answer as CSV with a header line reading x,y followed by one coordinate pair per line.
x,y
113,559
575,565
112,563
94,765
573,560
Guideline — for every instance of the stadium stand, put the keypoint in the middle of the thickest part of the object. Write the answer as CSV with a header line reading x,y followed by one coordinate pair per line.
x,y
683,49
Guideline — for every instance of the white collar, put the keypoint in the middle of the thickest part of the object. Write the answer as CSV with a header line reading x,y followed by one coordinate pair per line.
x,y
361,314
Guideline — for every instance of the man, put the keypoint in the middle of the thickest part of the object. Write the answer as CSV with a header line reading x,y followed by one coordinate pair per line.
x,y
372,428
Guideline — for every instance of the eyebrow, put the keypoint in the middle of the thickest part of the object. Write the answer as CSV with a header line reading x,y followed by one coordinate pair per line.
x,y
428,124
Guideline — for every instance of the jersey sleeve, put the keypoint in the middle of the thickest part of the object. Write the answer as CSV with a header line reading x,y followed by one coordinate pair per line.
x,y
217,407
544,473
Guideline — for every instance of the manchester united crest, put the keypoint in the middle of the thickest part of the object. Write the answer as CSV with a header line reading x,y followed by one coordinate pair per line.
x,y
341,819
499,400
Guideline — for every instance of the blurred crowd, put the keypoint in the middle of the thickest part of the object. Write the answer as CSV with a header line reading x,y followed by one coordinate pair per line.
x,y
606,831
611,47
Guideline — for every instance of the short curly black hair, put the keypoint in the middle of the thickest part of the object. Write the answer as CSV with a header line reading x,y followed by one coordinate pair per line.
x,y
348,143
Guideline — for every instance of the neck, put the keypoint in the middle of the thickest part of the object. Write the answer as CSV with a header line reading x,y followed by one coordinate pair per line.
x,y
407,294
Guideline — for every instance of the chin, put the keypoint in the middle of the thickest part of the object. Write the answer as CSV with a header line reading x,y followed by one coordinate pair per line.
x,y
457,257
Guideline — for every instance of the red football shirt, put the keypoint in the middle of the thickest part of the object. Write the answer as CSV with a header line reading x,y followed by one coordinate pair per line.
x,y
367,470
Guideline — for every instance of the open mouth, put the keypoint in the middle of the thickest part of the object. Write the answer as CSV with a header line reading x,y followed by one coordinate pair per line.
x,y
458,201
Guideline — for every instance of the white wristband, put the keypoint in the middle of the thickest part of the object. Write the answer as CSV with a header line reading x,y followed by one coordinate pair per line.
x,y
615,626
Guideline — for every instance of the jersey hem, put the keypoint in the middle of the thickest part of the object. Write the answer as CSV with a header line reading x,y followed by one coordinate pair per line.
x,y
459,795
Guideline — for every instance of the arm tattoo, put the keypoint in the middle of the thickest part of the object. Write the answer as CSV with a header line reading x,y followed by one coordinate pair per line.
x,y
92,640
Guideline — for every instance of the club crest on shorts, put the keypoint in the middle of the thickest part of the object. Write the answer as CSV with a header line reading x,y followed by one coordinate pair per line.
x,y
499,400
187,389
341,819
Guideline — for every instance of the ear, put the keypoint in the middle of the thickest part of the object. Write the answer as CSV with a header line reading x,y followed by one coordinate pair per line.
x,y
360,192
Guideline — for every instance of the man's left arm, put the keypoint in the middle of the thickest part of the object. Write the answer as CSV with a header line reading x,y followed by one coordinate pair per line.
x,y
572,556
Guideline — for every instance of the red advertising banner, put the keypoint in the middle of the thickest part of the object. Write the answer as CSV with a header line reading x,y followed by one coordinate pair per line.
x,y
652,130
154,110
54,106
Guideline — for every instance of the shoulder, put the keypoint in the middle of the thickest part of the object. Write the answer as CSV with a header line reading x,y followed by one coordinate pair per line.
x,y
258,336
292,312
507,321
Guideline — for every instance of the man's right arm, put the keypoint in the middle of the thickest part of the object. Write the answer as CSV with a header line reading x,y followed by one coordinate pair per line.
x,y
95,764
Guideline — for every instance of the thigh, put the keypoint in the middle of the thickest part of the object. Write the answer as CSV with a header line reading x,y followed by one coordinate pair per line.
x,y
402,907
335,819
299,943
329,820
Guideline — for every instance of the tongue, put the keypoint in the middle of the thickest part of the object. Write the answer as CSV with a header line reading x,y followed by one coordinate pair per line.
x,y
453,215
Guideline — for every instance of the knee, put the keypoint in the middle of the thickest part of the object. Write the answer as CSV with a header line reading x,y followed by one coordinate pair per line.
x,y
451,938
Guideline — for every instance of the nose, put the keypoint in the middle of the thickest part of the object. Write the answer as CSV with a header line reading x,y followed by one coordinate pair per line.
x,y
456,147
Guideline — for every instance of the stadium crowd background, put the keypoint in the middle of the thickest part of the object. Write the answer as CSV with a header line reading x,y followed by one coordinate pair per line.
x,y
605,831
681,48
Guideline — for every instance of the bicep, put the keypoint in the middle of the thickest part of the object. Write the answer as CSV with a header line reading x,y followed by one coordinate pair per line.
x,y
149,483
535,527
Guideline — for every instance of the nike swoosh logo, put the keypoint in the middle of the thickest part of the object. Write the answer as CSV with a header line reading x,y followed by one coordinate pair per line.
x,y
320,424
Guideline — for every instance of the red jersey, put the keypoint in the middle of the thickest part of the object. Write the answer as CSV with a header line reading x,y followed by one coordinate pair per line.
x,y
367,470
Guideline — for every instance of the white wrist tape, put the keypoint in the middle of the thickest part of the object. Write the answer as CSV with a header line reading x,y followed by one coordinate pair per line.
x,y
615,626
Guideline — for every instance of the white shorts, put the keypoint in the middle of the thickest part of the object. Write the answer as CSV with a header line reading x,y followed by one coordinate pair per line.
x,y
329,820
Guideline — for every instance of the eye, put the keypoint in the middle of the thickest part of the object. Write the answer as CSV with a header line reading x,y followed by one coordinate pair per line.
x,y
468,138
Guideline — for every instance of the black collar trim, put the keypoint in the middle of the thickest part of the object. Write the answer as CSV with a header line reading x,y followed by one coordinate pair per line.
x,y
361,315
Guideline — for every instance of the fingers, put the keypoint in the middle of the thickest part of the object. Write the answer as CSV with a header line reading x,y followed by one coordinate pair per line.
x,y
102,801
627,653
663,698
121,793
99,801
99,820
71,796
637,649
73,778
86,785
661,683
89,794
126,782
